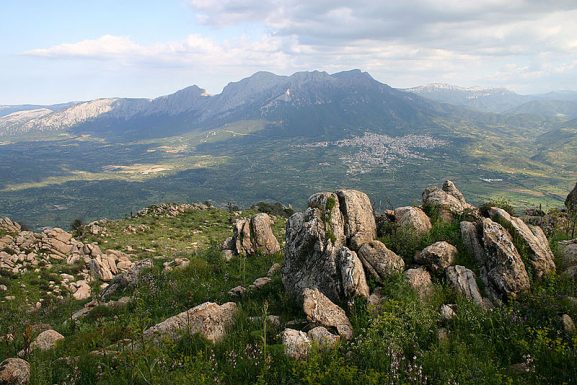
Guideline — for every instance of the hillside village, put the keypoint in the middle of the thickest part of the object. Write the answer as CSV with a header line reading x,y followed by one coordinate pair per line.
x,y
439,293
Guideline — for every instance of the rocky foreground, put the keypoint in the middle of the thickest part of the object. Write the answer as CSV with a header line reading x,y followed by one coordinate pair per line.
x,y
335,258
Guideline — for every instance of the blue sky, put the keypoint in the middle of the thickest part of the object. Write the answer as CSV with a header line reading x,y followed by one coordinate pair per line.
x,y
62,50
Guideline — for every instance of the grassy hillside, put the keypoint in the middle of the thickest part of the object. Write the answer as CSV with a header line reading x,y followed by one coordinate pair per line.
x,y
404,340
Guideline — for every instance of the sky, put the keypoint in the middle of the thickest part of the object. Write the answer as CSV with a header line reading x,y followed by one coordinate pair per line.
x,y
69,50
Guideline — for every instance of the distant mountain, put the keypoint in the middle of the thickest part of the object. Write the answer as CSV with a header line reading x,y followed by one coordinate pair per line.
x,y
483,99
561,109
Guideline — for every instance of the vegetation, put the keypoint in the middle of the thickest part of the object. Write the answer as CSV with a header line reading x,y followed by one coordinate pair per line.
x,y
402,341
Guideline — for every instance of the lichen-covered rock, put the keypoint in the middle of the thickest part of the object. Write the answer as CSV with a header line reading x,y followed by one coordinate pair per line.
x,y
242,237
503,273
420,280
14,371
413,219
296,343
534,239
352,274
127,279
568,324
322,337
568,253
448,200
208,319
438,256
9,226
357,210
463,280
379,261
318,308
471,239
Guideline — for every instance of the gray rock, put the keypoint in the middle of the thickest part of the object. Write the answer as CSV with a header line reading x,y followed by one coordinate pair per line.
x,y
413,220
352,274
242,237
208,319
14,371
471,239
263,239
437,257
322,337
319,309
260,283
448,200
273,270
379,261
503,273
357,210
463,280
420,280
568,253
568,324
296,344
46,340
126,279
447,312
571,201
533,238
237,291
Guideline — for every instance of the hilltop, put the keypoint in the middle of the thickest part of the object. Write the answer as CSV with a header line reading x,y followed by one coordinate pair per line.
x,y
435,293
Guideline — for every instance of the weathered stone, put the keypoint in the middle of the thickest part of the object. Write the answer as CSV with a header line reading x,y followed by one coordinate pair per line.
x,y
413,220
379,261
503,273
100,268
420,280
534,239
447,312
273,269
311,256
296,344
568,324
208,319
463,280
242,237
263,238
568,253
448,200
357,210
376,299
46,340
318,308
438,256
83,292
9,226
352,274
322,337
471,240
14,371
330,213
260,283
126,279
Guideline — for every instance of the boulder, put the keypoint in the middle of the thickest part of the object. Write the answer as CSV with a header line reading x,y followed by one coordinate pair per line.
x,y
503,273
413,220
14,371
46,340
101,269
447,312
420,280
260,283
571,201
379,261
9,226
296,343
532,237
82,292
471,239
242,237
463,281
273,269
208,319
263,239
448,200
568,324
568,253
319,309
437,257
357,210
322,337
352,275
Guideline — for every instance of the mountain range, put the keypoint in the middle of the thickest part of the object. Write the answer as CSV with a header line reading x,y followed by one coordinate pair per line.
x,y
270,137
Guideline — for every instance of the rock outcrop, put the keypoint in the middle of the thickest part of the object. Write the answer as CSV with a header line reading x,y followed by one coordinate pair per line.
x,y
568,253
251,236
471,235
503,272
208,319
379,261
532,237
127,279
448,200
8,226
571,200
315,240
463,281
420,280
14,371
319,309
296,343
413,220
437,257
